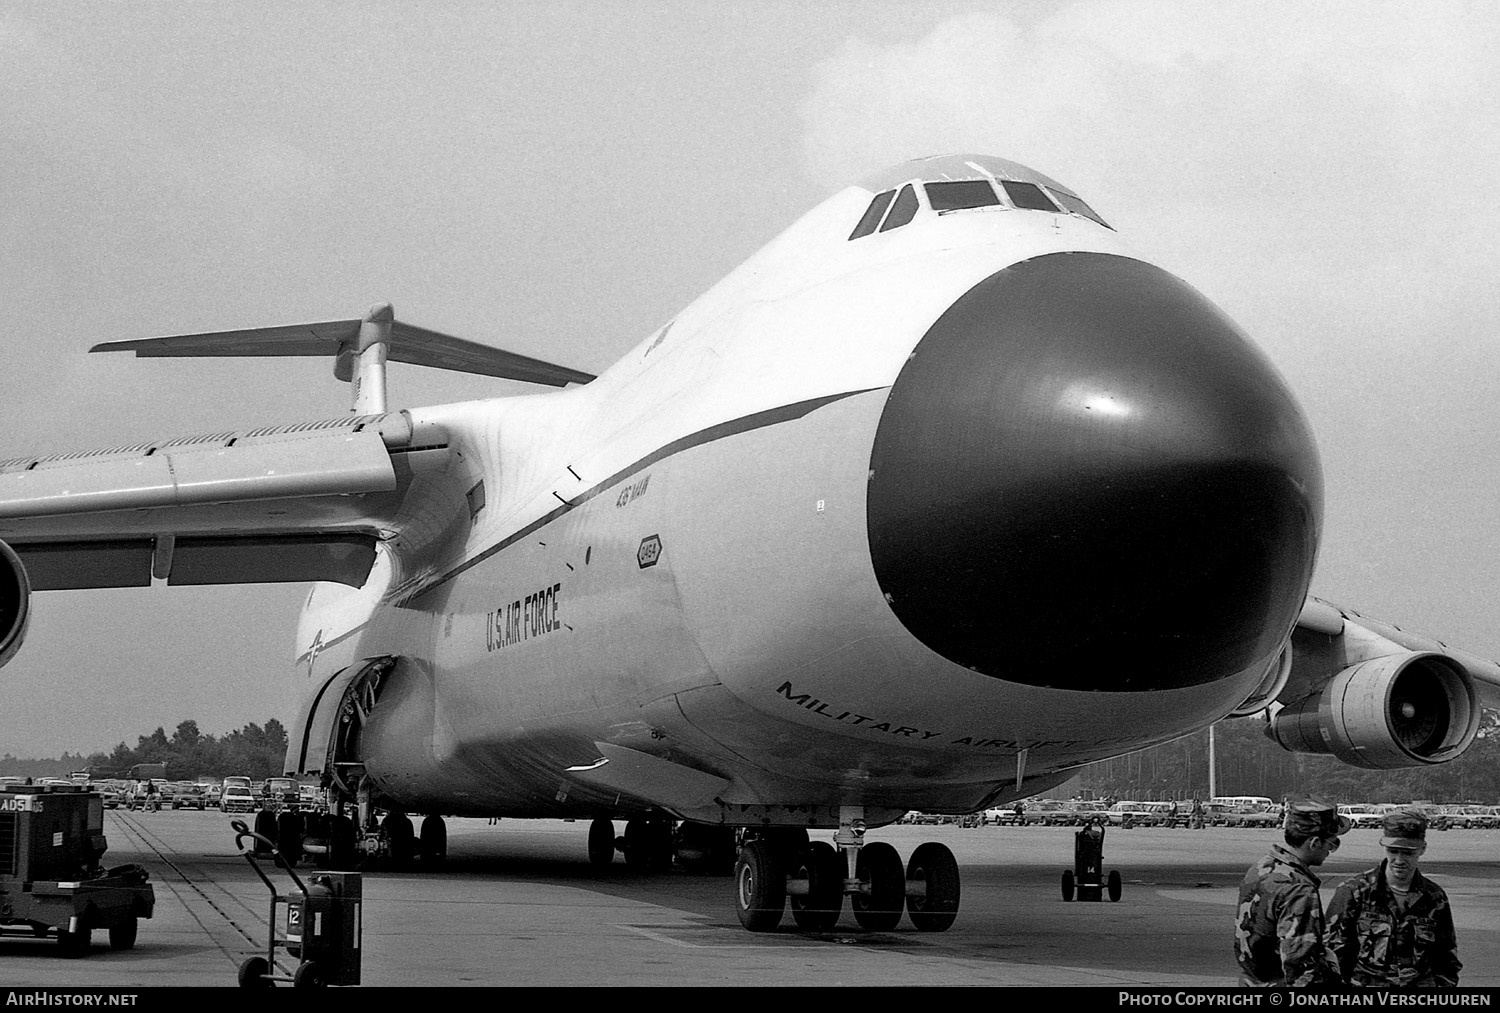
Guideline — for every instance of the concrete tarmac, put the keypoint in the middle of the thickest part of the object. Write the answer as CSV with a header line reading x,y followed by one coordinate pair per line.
x,y
519,905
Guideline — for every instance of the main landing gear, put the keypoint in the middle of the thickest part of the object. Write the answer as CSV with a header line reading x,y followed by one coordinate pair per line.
x,y
781,865
650,845
347,833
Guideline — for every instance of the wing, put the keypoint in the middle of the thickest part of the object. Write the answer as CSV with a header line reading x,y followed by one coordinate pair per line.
x,y
285,503
1376,695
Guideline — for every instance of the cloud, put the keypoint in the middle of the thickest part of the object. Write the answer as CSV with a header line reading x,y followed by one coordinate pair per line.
x,y
1351,142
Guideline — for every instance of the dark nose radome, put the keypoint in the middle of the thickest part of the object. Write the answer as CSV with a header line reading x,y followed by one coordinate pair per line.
x,y
1087,477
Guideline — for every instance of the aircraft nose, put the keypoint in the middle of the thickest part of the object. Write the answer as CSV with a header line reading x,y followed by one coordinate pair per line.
x,y
1087,477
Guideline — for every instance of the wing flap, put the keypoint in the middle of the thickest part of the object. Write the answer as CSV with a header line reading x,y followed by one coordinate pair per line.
x,y
251,559
61,566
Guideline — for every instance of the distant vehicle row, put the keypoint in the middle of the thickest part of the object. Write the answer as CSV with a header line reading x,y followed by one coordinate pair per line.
x,y
233,794
1242,812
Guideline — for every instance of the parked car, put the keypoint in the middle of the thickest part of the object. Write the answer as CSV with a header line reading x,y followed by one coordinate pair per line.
x,y
279,793
211,791
1251,816
1045,812
236,796
1129,814
1053,812
311,798
188,796
1364,817
1470,817
1000,816
1437,819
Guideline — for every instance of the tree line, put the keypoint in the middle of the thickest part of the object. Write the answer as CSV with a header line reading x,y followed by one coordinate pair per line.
x,y
1250,763
255,751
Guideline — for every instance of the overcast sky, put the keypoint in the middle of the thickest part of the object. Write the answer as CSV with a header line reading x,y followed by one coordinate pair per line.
x,y
560,178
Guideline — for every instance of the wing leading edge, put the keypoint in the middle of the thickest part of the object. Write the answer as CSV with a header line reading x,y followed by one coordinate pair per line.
x,y
286,503
1344,636
1375,695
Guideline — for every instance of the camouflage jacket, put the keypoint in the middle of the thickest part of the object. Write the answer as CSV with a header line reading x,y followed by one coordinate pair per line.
x,y
1278,930
1377,945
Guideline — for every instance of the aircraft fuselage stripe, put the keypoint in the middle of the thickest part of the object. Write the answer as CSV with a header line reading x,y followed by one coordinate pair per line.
x,y
746,423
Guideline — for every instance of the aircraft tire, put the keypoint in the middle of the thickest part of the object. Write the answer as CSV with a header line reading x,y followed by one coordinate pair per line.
x,y
759,887
661,844
265,826
705,850
602,843
400,838
340,843
637,847
933,864
648,845
432,843
788,842
289,837
880,866
1115,886
721,852
823,868
315,827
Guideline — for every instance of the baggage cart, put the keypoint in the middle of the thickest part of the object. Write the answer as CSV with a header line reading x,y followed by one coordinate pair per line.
x,y
318,924
1087,875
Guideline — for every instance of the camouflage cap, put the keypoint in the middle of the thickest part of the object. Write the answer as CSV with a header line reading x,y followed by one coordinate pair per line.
x,y
1314,817
1403,828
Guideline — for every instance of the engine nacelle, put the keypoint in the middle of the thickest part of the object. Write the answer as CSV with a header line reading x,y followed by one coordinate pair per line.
x,y
1401,710
15,603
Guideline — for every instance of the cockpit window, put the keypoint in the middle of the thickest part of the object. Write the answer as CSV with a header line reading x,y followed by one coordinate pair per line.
x,y
1027,196
903,211
965,193
892,209
872,214
1077,207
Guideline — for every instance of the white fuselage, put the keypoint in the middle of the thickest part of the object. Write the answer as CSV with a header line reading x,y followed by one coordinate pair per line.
x,y
675,559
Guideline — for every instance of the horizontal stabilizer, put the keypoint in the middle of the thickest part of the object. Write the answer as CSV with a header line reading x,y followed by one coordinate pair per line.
x,y
415,345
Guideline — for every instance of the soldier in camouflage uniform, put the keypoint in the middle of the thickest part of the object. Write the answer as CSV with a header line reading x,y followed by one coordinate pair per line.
x,y
1278,931
1391,927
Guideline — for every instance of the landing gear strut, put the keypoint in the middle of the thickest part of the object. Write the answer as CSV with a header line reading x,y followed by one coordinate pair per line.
x,y
777,865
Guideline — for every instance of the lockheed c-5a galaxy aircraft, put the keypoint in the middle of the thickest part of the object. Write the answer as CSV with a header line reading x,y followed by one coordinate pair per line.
x,y
940,495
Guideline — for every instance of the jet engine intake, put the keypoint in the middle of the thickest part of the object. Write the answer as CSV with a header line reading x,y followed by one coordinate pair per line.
x,y
15,603
1400,710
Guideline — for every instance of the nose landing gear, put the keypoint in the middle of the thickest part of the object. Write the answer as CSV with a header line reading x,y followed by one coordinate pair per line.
x,y
773,868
